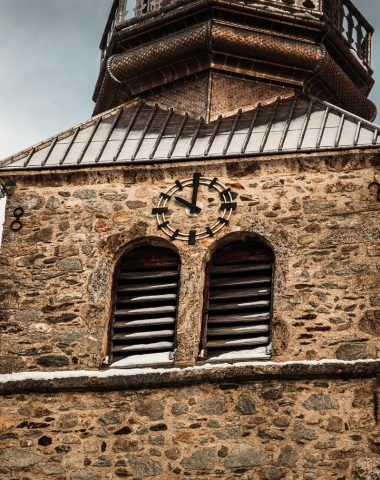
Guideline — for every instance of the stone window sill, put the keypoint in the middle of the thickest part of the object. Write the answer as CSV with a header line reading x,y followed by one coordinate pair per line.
x,y
227,374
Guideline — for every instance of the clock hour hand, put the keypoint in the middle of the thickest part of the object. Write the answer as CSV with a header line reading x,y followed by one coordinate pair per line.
x,y
193,208
187,204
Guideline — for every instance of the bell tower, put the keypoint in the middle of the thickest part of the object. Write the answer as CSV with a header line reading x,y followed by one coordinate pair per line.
x,y
213,57
189,279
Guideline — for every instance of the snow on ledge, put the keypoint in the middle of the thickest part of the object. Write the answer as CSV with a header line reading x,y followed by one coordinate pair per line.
x,y
117,372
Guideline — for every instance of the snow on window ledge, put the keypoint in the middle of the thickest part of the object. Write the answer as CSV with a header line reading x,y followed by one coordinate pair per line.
x,y
115,379
253,354
149,359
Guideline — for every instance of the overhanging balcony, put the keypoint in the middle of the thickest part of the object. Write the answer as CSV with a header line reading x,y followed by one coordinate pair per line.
x,y
322,47
352,26
341,16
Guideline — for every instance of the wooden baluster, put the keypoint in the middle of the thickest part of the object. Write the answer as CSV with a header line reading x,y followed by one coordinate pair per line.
x,y
154,5
359,41
339,15
140,7
121,13
350,23
368,45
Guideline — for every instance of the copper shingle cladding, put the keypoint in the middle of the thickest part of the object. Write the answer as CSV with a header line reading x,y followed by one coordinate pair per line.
x,y
141,132
293,49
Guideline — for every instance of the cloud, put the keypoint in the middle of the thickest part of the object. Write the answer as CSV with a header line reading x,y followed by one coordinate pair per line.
x,y
49,70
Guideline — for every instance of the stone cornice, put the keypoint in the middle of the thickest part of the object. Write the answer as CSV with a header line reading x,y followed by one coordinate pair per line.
x,y
227,375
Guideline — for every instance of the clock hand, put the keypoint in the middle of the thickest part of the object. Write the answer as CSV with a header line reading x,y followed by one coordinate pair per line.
x,y
187,204
194,208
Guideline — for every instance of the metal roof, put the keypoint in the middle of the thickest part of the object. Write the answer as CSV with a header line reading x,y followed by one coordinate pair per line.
x,y
143,132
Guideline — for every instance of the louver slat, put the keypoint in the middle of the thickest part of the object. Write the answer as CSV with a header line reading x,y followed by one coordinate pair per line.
x,y
238,330
148,298
144,347
143,331
147,287
148,275
236,281
241,268
240,293
238,313
145,323
145,311
239,306
139,335
243,342
258,317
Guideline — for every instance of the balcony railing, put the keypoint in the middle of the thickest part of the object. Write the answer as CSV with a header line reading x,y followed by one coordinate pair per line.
x,y
123,11
353,27
342,16
136,8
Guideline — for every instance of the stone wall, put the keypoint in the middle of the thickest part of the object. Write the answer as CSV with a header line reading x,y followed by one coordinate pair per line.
x,y
316,211
267,430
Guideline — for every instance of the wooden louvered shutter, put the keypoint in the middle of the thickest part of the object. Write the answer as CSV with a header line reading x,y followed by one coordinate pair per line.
x,y
143,330
239,305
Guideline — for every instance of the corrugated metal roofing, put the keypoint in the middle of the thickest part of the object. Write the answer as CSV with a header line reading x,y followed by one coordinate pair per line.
x,y
141,132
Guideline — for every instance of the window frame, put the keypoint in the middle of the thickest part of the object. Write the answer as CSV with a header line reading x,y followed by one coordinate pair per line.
x,y
151,243
232,239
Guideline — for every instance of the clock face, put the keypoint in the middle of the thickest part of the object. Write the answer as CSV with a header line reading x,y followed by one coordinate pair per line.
x,y
194,209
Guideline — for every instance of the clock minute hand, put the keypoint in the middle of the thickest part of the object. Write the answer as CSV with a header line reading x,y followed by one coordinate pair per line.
x,y
187,204
194,208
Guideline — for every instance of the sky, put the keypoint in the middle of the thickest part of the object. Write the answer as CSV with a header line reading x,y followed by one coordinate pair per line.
x,y
49,57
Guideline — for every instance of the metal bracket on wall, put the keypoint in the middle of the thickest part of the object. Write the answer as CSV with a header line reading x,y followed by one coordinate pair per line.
x,y
4,186
106,362
172,355
16,225
202,356
376,184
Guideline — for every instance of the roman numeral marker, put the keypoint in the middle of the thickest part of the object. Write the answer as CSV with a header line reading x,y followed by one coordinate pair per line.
x,y
163,225
210,232
213,183
192,239
228,206
160,210
225,193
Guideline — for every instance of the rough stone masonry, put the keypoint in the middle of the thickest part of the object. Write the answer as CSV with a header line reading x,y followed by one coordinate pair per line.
x,y
316,211
268,430
56,275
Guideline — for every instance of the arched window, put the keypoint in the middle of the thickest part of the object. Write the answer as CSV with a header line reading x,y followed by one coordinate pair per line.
x,y
238,303
144,323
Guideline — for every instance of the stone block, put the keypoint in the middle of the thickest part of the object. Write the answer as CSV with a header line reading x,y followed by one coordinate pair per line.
x,y
202,459
142,466
245,455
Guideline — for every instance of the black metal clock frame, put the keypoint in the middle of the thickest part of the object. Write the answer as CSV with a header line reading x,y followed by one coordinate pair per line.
x,y
227,206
